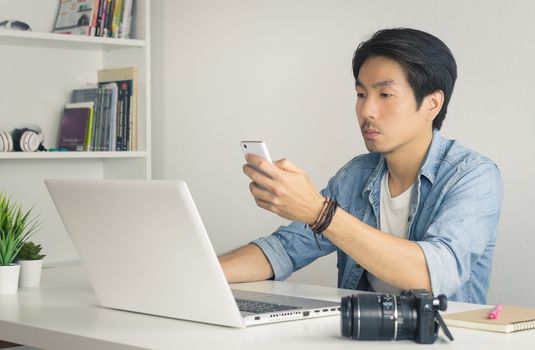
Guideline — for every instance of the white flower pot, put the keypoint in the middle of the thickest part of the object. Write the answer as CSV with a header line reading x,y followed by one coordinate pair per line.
x,y
30,272
9,279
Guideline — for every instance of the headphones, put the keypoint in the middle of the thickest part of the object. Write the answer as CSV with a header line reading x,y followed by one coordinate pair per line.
x,y
21,138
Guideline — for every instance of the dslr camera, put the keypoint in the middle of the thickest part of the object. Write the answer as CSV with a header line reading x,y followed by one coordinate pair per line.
x,y
411,315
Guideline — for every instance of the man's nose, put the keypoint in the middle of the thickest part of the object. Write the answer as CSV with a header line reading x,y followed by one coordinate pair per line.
x,y
367,108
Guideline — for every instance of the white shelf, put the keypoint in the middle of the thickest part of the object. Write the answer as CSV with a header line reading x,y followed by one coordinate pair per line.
x,y
65,41
39,70
71,155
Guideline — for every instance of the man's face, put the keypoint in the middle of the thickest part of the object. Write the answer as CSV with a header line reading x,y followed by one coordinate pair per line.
x,y
386,108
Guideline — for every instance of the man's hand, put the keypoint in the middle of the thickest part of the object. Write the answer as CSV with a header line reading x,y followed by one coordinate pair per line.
x,y
283,188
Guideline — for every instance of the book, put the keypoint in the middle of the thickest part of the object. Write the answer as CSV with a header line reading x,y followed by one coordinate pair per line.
x,y
123,118
126,123
97,128
91,94
74,17
109,17
110,129
511,319
105,7
126,19
116,21
100,126
76,125
101,8
93,28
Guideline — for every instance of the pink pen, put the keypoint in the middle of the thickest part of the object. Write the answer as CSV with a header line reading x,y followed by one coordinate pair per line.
x,y
495,313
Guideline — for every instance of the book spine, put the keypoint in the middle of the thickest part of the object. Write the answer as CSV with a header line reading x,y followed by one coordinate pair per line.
x,y
113,122
126,141
109,16
93,28
107,119
126,18
104,13
99,18
118,124
116,18
130,20
123,96
126,116
87,145
133,118
98,121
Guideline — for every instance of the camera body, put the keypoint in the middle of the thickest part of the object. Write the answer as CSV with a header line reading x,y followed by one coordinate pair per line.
x,y
427,327
411,315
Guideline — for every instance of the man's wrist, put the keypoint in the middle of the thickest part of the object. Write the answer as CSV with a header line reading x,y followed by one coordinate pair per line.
x,y
319,205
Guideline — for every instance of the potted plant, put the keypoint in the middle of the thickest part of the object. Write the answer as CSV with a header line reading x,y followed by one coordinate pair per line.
x,y
15,228
31,264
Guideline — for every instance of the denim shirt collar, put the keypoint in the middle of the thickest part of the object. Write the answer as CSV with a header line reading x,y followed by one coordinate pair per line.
x,y
429,168
435,156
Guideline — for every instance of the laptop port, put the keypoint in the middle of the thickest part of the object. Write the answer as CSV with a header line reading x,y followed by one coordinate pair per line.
x,y
256,318
325,310
306,313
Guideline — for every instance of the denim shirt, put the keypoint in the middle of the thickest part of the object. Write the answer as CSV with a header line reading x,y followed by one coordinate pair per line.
x,y
454,211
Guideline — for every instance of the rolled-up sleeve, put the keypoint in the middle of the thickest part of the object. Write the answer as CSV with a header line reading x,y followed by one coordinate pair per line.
x,y
465,224
292,247
276,254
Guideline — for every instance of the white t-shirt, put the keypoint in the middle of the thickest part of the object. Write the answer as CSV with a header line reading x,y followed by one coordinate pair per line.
x,y
394,219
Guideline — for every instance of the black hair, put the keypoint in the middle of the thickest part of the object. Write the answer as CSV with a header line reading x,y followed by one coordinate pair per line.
x,y
427,62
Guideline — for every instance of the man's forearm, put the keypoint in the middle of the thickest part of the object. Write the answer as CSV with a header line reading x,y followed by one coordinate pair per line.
x,y
397,261
246,264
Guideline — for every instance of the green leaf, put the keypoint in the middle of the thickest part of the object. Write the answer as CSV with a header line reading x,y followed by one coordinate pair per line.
x,y
16,227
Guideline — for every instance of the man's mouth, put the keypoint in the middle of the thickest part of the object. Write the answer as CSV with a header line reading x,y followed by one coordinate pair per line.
x,y
370,133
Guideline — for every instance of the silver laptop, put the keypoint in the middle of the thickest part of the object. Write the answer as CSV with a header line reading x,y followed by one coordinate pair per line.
x,y
146,250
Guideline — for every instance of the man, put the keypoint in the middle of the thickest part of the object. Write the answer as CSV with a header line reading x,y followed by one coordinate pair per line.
x,y
418,211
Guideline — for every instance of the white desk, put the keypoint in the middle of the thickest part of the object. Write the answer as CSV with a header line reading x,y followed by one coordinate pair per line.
x,y
63,314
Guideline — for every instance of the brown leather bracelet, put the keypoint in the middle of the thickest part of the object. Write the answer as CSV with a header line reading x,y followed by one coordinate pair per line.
x,y
324,219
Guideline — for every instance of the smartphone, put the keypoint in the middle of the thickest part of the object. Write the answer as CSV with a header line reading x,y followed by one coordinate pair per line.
x,y
258,148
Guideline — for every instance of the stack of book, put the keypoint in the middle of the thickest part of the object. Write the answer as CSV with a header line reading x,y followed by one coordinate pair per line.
x,y
102,117
106,18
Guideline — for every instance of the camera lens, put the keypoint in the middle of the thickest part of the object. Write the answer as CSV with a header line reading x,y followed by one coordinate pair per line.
x,y
346,316
378,317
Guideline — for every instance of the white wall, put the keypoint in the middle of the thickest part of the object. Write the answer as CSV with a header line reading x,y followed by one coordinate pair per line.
x,y
280,71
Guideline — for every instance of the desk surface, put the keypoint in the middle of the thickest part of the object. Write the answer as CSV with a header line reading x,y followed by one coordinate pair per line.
x,y
64,314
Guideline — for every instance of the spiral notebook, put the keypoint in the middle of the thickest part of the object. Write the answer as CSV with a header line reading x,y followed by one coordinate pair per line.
x,y
511,319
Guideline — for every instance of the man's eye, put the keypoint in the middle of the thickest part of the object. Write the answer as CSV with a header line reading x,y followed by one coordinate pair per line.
x,y
384,94
360,94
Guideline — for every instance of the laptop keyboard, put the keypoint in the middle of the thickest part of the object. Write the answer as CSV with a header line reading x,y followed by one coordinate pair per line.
x,y
257,307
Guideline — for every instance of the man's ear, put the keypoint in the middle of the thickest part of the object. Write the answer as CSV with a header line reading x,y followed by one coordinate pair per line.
x,y
433,104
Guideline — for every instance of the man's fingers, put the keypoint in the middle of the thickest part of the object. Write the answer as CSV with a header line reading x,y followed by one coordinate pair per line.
x,y
286,165
261,164
259,192
266,205
258,176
